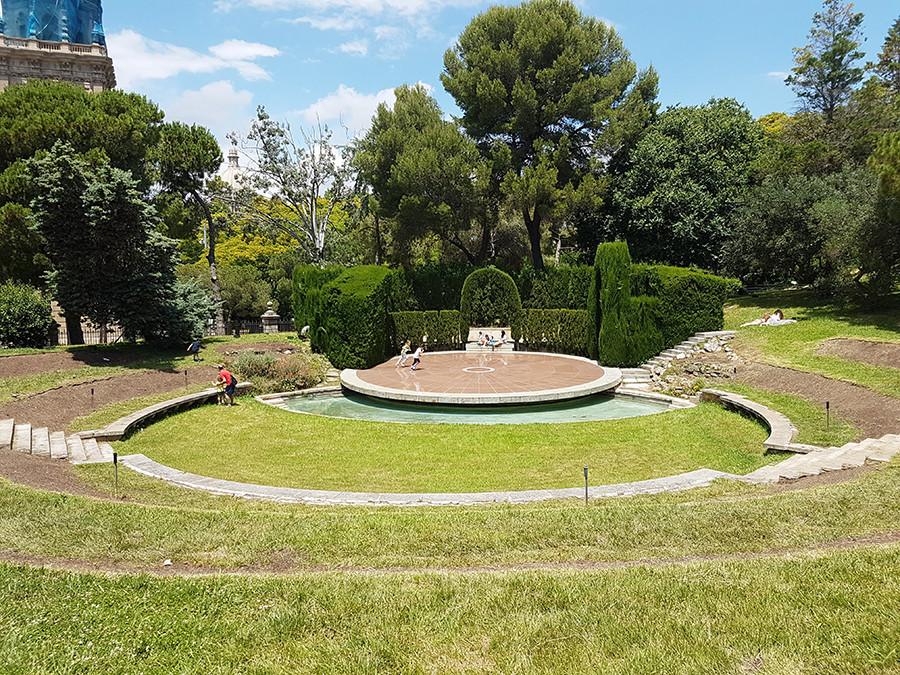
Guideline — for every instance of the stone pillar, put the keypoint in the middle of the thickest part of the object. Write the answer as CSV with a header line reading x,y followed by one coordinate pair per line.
x,y
270,321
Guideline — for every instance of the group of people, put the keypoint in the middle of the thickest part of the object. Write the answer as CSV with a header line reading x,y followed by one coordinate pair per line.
x,y
488,340
416,355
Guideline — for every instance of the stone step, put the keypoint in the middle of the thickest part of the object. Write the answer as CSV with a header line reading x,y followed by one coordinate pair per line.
x,y
58,448
6,434
77,454
40,442
22,438
695,340
106,451
885,451
92,450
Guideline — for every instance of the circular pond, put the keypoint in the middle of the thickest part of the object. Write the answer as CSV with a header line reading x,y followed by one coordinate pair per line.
x,y
349,405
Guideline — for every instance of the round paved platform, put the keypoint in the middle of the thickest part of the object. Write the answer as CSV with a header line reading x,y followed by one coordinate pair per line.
x,y
465,378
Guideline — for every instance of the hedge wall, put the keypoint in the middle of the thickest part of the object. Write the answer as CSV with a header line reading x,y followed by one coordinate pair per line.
x,y
614,268
690,300
442,329
438,286
567,331
563,287
307,296
645,339
490,297
351,314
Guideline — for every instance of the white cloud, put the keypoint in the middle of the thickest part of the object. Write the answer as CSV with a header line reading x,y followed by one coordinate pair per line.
x,y
141,59
777,74
339,22
217,105
346,107
355,48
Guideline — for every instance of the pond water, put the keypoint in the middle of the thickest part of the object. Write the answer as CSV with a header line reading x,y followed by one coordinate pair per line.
x,y
354,406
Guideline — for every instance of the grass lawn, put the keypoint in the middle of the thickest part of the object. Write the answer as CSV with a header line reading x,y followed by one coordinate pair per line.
x,y
259,444
108,414
157,521
833,612
795,346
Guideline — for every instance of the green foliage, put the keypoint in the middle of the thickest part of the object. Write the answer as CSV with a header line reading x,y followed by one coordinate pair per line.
x,y
540,85
308,298
187,315
685,177
271,374
645,338
356,306
441,327
826,71
614,269
437,285
490,298
690,300
595,312
567,331
560,287
25,319
113,124
21,257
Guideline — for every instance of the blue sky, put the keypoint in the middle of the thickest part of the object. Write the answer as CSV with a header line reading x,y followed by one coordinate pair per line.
x,y
213,61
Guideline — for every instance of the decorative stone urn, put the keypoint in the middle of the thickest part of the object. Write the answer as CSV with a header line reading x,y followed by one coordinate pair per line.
x,y
270,320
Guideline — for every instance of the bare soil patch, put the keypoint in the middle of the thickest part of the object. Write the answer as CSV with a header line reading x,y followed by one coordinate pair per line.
x,y
874,413
34,364
55,476
57,408
882,354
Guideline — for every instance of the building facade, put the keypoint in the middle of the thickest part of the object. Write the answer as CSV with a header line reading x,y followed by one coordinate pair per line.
x,y
59,40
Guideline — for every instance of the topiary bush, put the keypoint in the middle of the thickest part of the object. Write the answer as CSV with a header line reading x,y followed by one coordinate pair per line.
x,y
355,329
613,265
307,297
25,317
645,339
442,329
562,287
490,298
690,300
438,286
566,331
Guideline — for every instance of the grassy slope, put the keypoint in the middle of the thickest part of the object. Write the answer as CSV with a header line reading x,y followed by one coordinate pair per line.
x,y
259,444
213,532
828,613
795,346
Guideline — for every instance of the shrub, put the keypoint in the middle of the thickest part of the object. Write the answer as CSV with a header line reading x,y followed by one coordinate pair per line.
x,y
567,331
563,287
645,339
489,298
613,264
594,310
690,300
438,286
25,318
271,374
442,329
307,299
186,316
355,328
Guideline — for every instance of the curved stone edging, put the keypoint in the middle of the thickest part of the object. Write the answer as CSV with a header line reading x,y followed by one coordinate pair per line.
x,y
611,378
781,431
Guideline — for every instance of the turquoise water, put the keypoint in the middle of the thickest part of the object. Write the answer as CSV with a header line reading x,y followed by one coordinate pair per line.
x,y
354,406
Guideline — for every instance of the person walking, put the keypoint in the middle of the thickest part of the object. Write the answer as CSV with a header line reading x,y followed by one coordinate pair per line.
x,y
228,385
194,349
404,354
417,359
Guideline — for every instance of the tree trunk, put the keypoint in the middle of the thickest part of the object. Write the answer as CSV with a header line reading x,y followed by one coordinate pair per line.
x,y
74,334
213,270
533,225
378,253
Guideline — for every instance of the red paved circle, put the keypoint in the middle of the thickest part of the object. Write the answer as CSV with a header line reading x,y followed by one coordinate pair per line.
x,y
480,373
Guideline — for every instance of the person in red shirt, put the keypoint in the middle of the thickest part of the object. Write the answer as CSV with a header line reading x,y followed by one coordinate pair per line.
x,y
228,385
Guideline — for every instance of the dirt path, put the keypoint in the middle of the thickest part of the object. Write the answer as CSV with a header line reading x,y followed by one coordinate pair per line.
x,y
34,364
874,414
57,408
886,539
882,354
35,472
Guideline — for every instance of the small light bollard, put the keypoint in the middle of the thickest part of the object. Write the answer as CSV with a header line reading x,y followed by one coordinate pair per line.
x,y
827,414
585,485
116,474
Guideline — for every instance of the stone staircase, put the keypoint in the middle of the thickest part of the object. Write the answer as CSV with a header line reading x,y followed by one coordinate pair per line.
x,y
656,366
41,442
820,460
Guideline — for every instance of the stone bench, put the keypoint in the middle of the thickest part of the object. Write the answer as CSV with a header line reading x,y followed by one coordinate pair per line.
x,y
124,426
781,431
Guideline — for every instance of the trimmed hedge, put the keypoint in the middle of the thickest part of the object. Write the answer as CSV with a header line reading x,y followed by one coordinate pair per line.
x,y
490,297
351,319
25,318
567,331
690,300
645,339
307,296
563,287
438,286
442,329
614,267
